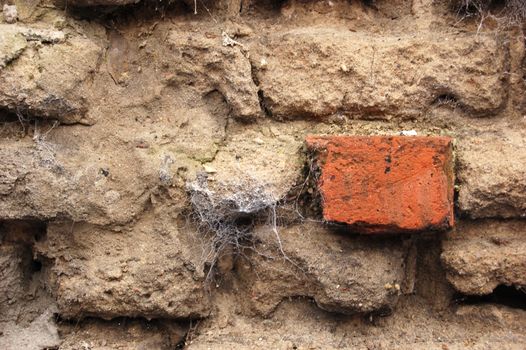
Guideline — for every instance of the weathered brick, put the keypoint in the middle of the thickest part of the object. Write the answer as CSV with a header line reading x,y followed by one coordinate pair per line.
x,y
386,183
320,72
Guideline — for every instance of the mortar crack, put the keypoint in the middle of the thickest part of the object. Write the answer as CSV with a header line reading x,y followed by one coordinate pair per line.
x,y
261,94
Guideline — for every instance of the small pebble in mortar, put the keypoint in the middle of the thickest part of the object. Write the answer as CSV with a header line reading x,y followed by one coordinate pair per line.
x,y
10,13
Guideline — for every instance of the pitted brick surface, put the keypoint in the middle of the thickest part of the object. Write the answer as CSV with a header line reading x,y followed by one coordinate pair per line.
x,y
386,183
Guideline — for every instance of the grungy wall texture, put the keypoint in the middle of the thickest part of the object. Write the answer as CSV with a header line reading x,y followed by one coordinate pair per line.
x,y
221,174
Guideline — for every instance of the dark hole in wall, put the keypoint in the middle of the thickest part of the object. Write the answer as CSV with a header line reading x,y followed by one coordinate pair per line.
x,y
510,296
273,7
36,266
133,13
24,232
264,104
13,124
173,334
304,198
181,344
9,117
27,275
265,7
244,221
498,5
21,123
470,8
456,195
445,99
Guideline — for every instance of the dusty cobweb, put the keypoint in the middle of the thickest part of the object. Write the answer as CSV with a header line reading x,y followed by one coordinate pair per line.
x,y
228,212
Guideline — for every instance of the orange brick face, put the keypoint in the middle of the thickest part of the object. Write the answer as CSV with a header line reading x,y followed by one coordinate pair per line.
x,y
383,184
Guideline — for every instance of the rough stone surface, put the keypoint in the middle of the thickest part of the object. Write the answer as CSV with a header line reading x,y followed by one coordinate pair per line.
x,y
492,169
272,174
150,98
386,183
31,81
43,180
41,333
12,44
122,334
335,270
320,72
299,324
26,309
150,270
212,62
479,256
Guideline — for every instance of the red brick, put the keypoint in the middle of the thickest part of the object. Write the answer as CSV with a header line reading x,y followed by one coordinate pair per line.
x,y
382,184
